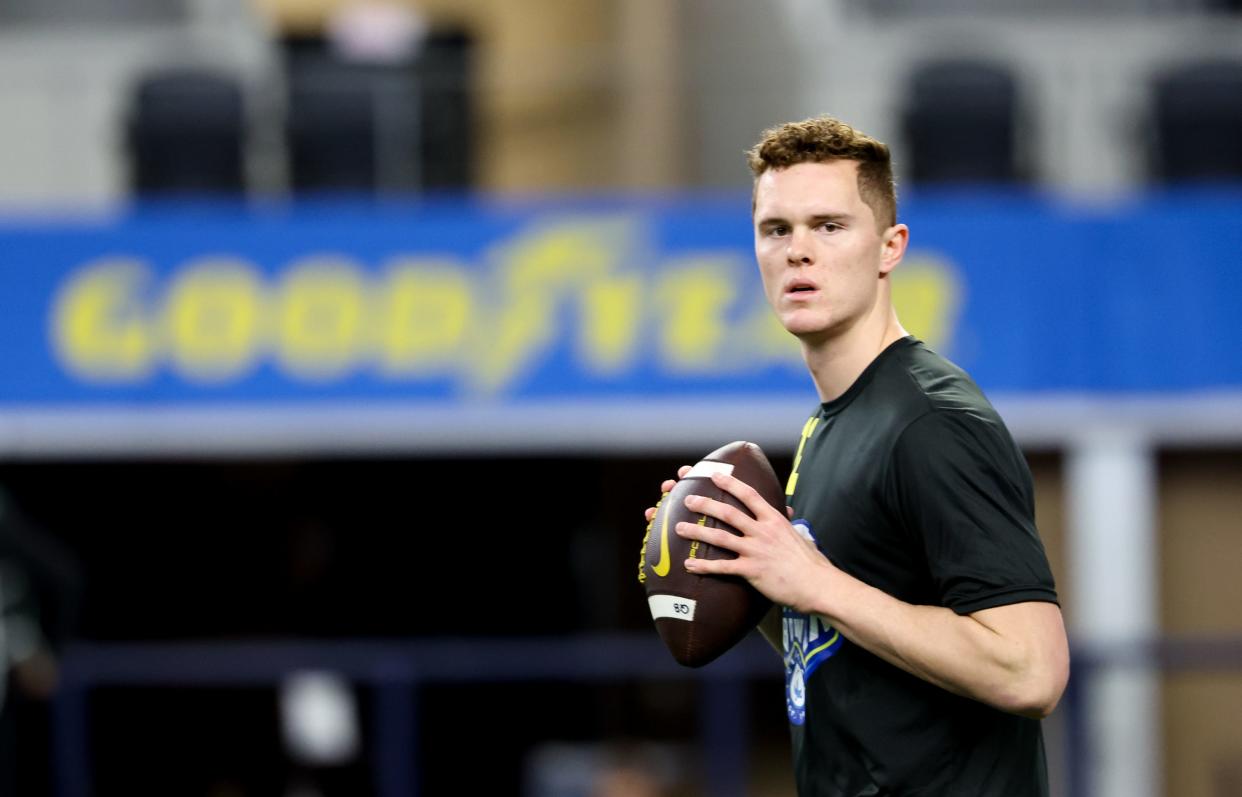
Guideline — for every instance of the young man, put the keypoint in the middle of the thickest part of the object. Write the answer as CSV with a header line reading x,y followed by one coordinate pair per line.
x,y
918,617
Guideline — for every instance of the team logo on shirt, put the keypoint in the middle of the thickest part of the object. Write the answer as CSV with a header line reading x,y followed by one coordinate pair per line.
x,y
808,641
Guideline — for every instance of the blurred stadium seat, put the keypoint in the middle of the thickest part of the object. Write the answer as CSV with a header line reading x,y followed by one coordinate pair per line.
x,y
333,126
959,121
444,69
187,133
1197,122
357,126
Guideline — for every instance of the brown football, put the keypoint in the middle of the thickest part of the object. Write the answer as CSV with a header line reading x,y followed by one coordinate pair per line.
x,y
699,617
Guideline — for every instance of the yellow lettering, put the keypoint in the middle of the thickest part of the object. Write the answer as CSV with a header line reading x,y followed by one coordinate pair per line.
x,y
99,326
535,275
611,310
426,311
692,299
926,293
212,318
321,318
564,287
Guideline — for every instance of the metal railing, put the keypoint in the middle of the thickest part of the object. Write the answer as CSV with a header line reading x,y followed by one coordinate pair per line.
x,y
398,670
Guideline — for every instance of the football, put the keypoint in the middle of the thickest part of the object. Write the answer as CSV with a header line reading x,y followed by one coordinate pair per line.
x,y
699,617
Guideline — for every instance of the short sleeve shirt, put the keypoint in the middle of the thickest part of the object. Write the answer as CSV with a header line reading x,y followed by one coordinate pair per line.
x,y
911,483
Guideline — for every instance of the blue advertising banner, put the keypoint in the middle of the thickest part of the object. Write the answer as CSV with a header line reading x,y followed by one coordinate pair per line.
x,y
486,302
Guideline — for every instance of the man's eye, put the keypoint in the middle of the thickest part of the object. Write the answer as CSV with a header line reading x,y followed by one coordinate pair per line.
x,y
777,230
830,226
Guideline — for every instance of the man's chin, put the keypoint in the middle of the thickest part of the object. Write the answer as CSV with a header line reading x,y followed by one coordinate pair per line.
x,y
807,331
802,327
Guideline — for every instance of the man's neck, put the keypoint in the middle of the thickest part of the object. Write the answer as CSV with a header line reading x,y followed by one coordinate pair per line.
x,y
836,363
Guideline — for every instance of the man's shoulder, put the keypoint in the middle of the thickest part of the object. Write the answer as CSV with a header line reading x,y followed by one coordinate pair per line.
x,y
918,396
923,379
939,410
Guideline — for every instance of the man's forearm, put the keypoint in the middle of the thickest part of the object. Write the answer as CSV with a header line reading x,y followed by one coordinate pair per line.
x,y
1010,657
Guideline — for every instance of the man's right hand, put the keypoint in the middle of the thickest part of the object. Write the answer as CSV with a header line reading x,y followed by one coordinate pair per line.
x,y
770,626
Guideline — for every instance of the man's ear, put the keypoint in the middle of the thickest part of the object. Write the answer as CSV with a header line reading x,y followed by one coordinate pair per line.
x,y
893,247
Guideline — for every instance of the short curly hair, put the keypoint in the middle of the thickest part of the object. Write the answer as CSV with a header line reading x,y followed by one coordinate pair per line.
x,y
822,139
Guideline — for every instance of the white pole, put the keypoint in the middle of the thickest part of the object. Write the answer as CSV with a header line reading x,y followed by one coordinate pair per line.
x,y
1111,493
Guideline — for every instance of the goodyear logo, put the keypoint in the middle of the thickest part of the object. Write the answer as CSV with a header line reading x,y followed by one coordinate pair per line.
x,y
324,317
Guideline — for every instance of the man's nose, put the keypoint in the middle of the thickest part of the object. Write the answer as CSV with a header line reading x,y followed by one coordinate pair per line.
x,y
798,251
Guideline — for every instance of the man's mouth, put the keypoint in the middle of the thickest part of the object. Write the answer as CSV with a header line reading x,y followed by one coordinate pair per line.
x,y
800,286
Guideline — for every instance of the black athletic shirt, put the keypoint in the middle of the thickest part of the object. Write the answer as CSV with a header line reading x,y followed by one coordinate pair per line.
x,y
911,482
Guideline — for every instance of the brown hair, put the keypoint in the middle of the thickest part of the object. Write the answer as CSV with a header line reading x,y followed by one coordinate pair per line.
x,y
824,139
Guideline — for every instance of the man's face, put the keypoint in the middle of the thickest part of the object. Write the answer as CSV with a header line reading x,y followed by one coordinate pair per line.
x,y
820,252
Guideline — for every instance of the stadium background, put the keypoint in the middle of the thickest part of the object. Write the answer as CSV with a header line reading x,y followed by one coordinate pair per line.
x,y
345,343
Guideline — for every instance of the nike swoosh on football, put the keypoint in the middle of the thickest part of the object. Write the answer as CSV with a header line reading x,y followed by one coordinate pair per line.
x,y
661,567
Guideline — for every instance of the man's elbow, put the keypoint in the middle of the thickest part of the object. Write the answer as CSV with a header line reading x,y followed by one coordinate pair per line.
x,y
1038,703
1037,695
1031,664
